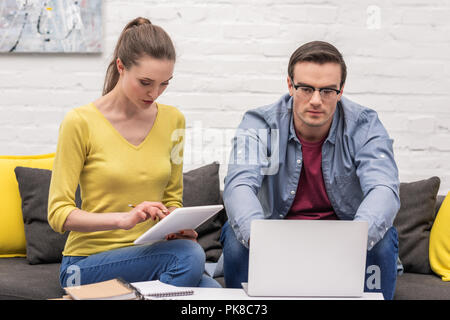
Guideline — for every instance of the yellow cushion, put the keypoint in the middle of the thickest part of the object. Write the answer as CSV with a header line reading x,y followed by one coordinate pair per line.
x,y
440,241
12,233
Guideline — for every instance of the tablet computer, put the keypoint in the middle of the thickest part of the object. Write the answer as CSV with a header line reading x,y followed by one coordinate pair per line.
x,y
178,219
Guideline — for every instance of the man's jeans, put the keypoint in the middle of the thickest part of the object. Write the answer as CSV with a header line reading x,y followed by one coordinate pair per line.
x,y
177,262
381,262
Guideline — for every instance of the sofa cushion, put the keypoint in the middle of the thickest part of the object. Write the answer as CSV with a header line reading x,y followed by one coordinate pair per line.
x,y
20,280
414,221
201,186
415,286
12,234
209,235
43,244
440,241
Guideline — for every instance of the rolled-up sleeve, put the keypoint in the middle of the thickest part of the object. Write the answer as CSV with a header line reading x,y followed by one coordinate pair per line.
x,y
378,176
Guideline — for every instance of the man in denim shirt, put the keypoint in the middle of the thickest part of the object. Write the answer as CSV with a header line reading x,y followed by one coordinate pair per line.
x,y
313,154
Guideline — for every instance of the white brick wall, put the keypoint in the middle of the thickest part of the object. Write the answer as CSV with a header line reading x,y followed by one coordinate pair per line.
x,y
233,55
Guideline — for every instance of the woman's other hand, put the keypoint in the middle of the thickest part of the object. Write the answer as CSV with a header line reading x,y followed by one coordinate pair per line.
x,y
188,234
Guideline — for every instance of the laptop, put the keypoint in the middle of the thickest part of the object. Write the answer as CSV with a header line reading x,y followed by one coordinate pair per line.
x,y
321,258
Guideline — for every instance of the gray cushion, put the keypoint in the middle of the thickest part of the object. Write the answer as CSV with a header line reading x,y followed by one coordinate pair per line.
x,y
42,243
414,221
20,280
421,286
209,235
201,186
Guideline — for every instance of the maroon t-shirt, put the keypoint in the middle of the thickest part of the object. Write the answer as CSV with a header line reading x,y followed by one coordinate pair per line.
x,y
311,200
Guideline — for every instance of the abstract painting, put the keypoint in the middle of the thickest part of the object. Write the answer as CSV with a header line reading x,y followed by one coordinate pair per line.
x,y
50,26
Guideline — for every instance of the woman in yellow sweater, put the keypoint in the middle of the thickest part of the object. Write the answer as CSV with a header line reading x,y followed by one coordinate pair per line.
x,y
125,148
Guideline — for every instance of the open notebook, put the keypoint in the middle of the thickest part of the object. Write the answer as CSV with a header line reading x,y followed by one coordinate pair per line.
x,y
158,289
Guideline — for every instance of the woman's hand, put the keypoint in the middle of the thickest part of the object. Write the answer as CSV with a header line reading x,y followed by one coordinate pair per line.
x,y
188,234
142,212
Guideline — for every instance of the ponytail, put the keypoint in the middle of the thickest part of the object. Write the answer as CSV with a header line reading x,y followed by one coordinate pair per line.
x,y
139,37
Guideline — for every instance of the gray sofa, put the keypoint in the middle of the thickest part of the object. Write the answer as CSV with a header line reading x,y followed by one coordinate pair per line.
x,y
37,275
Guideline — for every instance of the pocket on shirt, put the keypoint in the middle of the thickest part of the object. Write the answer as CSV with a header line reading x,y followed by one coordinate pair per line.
x,y
348,193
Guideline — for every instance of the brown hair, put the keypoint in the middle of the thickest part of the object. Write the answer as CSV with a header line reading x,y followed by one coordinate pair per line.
x,y
139,37
319,52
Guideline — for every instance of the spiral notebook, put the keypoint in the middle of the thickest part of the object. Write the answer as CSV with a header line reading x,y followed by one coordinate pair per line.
x,y
158,289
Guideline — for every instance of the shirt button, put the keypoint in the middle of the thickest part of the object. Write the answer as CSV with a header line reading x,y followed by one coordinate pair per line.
x,y
371,243
292,192
299,161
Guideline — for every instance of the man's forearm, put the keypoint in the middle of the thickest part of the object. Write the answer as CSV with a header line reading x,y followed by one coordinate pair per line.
x,y
242,206
379,209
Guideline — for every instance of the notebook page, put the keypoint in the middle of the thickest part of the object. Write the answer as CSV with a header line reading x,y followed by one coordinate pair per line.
x,y
157,288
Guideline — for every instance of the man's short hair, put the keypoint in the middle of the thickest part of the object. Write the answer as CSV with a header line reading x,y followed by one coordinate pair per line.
x,y
318,52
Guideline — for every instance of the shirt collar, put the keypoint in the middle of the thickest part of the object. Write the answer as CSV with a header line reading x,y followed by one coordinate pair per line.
x,y
292,134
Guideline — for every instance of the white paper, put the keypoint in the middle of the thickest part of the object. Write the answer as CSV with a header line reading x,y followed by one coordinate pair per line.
x,y
155,287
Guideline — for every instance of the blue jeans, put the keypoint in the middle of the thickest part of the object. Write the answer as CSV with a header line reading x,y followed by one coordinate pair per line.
x,y
177,262
381,262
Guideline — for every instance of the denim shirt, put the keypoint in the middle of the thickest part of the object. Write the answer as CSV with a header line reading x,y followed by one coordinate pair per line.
x,y
358,166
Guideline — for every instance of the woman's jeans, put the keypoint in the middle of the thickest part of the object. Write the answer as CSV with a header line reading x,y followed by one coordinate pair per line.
x,y
178,262
381,262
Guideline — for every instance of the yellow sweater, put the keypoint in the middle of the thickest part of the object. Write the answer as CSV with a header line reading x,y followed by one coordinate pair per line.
x,y
113,173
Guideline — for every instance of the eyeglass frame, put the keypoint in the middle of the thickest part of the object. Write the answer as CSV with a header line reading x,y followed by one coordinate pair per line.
x,y
296,86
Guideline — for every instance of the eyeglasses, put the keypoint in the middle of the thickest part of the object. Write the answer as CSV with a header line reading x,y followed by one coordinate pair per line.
x,y
308,91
